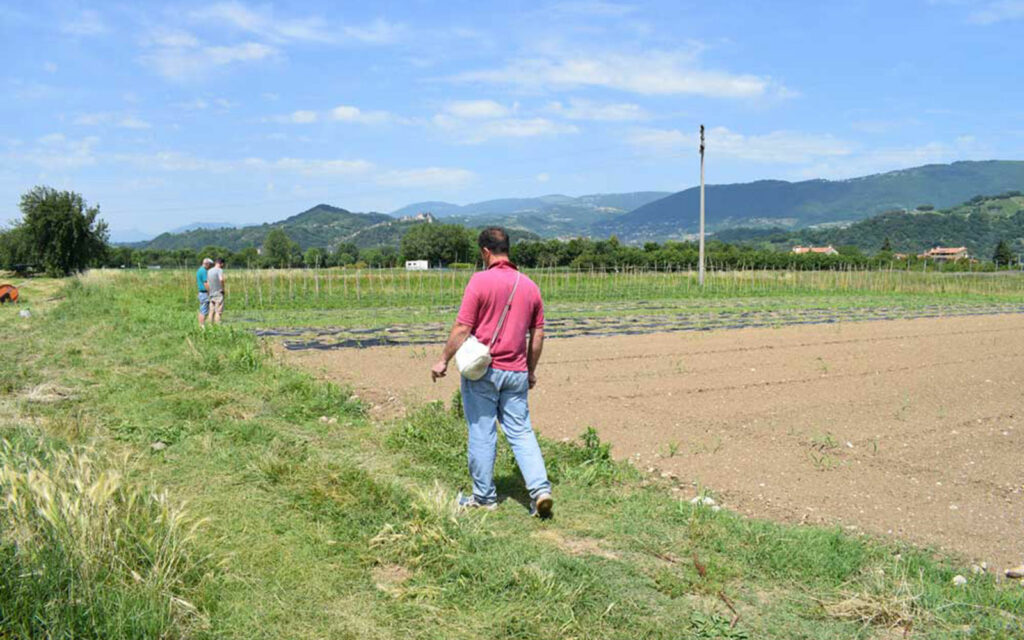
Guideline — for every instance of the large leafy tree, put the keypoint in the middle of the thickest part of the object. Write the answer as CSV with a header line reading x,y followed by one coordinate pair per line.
x,y
346,253
63,233
1002,255
315,257
278,249
438,243
15,252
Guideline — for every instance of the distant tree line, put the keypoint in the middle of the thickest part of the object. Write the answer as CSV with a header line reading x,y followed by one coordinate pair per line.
x,y
609,254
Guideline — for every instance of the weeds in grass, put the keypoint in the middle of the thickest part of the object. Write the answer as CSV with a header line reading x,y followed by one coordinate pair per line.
x,y
823,461
885,597
86,554
457,409
714,446
671,449
595,451
822,448
587,463
901,413
429,538
432,434
824,442
713,625
280,460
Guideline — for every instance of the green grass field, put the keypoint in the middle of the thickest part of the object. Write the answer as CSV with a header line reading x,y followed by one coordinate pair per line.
x,y
377,298
161,481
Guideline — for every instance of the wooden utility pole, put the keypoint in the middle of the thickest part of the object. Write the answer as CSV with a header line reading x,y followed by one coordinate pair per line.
x,y
700,277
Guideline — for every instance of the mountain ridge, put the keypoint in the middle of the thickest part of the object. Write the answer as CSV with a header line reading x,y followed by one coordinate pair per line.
x,y
817,201
763,204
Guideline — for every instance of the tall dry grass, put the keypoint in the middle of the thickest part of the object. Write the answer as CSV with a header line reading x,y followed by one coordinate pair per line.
x,y
85,553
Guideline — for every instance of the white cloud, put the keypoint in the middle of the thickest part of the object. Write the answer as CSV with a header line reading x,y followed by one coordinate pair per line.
x,y
876,160
429,177
55,152
174,161
777,147
593,8
178,161
185,59
51,139
341,113
807,155
377,32
93,119
131,122
650,73
473,109
543,177
193,105
246,51
348,113
993,12
86,23
109,118
878,126
50,67
264,23
318,167
587,110
302,117
172,38
474,131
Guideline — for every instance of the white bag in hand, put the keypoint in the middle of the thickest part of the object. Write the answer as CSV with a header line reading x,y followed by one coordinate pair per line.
x,y
473,359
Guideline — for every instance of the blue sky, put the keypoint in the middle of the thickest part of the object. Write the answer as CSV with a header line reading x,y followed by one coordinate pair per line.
x,y
168,113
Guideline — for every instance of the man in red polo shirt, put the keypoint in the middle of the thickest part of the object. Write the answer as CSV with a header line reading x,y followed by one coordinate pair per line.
x,y
501,394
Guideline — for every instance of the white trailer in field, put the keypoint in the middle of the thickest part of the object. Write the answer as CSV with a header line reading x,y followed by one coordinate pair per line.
x,y
417,265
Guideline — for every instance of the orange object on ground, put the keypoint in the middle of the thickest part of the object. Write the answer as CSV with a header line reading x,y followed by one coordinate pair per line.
x,y
8,293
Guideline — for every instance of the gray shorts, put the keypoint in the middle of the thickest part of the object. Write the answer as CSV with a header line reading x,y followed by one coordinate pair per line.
x,y
204,303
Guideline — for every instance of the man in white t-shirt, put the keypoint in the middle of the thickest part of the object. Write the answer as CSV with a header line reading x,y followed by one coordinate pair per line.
x,y
215,284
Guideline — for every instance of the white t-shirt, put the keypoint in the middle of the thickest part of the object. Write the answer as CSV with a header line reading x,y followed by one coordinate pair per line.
x,y
215,280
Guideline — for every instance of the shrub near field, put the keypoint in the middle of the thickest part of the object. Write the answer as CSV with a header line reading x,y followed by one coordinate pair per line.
x,y
323,524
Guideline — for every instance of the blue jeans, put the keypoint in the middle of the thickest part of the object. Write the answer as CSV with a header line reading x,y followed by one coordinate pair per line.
x,y
501,396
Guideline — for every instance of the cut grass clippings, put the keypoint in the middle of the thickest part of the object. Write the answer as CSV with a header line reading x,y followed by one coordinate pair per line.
x,y
344,528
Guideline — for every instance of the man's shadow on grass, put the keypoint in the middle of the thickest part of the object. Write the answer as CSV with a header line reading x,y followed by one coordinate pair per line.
x,y
510,487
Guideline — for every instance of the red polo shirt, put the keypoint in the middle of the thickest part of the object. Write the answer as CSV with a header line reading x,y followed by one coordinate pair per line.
x,y
483,302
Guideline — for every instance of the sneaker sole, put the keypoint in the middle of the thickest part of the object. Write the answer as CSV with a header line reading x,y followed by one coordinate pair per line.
x,y
544,507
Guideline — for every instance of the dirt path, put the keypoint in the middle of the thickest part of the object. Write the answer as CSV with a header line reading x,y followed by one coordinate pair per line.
x,y
906,427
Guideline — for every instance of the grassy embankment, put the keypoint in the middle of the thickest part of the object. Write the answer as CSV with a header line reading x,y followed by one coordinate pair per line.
x,y
342,528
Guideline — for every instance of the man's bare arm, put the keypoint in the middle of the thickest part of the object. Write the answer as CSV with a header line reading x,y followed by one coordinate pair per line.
x,y
534,349
458,335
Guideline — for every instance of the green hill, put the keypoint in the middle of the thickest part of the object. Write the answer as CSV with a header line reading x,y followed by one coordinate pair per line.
x,y
978,224
321,226
549,216
776,203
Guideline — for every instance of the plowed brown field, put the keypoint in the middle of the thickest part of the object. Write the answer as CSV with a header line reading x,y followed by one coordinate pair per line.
x,y
906,427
